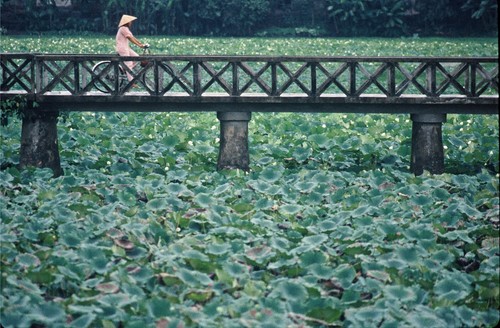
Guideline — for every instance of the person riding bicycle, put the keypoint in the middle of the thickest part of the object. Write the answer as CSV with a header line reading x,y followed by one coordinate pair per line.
x,y
123,36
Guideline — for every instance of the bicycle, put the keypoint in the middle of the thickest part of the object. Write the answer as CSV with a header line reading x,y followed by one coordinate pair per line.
x,y
111,77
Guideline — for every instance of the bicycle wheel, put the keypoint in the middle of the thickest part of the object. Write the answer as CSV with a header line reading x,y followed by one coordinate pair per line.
x,y
148,78
165,76
107,81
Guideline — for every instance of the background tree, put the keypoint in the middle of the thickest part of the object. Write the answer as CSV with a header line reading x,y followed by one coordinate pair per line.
x,y
382,18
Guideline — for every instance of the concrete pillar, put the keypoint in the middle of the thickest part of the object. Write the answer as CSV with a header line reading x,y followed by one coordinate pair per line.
x,y
233,149
427,151
39,144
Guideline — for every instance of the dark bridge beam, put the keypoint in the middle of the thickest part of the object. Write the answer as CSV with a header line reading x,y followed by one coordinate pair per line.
x,y
488,106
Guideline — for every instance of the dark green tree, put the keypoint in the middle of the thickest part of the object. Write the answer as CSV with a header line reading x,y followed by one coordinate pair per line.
x,y
367,18
386,18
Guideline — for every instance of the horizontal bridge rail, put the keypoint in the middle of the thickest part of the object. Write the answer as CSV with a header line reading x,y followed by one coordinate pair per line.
x,y
312,83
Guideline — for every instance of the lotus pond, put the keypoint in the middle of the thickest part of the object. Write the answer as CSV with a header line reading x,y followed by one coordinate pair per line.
x,y
329,227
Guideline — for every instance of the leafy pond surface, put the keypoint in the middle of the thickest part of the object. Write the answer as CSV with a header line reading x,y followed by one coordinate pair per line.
x,y
328,228
260,46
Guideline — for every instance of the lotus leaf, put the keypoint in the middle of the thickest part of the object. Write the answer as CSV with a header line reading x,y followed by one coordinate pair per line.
x,y
345,275
49,313
116,301
315,240
320,139
321,271
271,174
408,254
199,296
218,249
452,289
158,308
194,278
28,260
260,254
157,204
70,272
83,321
400,293
426,319
204,200
290,209
108,288
302,154
366,316
350,296
310,258
127,197
292,291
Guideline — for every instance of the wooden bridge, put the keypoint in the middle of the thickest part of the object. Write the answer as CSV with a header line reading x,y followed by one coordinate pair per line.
x,y
427,88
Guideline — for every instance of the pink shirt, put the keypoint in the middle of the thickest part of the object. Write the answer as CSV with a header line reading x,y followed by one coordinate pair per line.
x,y
122,46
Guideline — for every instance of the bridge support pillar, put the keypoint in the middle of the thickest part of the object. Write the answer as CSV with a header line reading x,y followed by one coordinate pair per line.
x,y
39,144
233,149
427,151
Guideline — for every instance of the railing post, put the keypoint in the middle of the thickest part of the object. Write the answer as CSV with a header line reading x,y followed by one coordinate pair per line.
x,y
196,79
274,79
236,80
391,79
472,80
431,80
352,79
3,85
233,149
39,83
76,76
157,77
427,151
39,144
314,81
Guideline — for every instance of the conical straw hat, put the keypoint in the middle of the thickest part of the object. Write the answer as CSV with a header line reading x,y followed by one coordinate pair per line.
x,y
126,19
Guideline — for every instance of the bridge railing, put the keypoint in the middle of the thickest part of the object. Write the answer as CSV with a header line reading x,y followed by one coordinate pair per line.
x,y
253,76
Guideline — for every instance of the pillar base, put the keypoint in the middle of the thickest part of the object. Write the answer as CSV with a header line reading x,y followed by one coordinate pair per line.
x,y
233,149
39,143
427,152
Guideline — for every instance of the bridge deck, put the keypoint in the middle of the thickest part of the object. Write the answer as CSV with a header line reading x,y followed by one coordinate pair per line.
x,y
254,83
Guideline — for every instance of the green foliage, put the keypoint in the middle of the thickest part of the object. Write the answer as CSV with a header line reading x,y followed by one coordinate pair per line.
x,y
222,17
445,18
485,12
324,229
480,9
12,107
100,44
368,18
292,32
